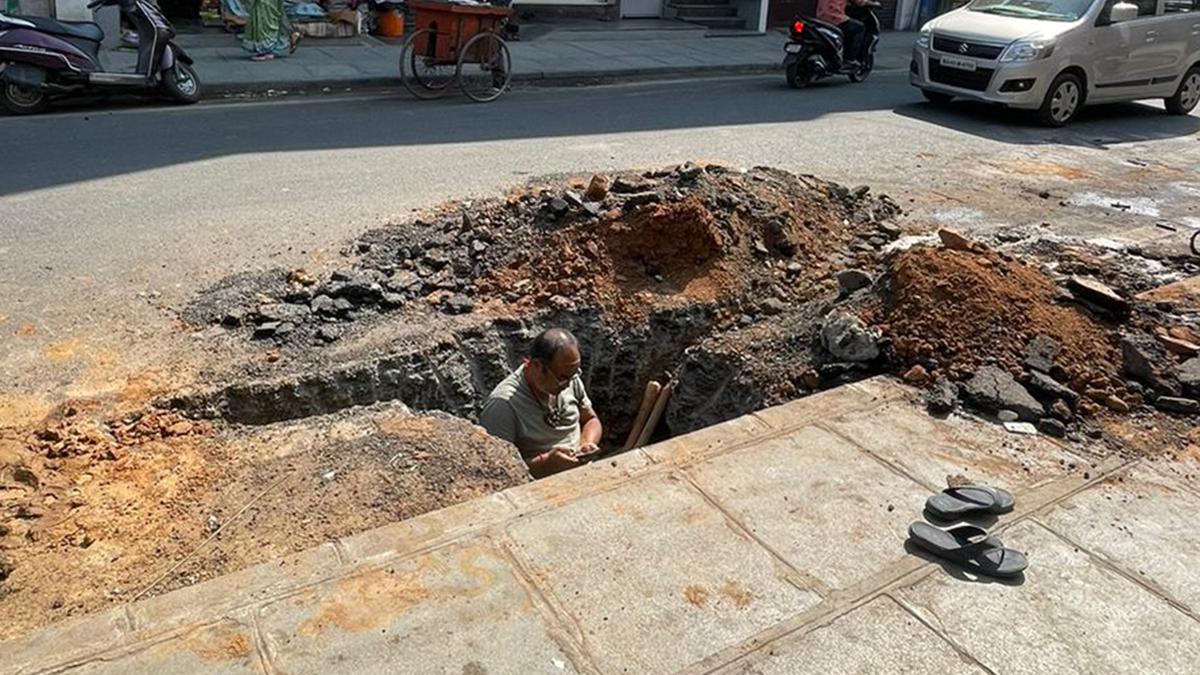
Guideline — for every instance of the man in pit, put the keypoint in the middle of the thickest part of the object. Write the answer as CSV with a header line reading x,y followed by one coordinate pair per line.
x,y
543,409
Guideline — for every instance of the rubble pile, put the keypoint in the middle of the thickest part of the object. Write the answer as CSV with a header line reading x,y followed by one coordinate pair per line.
x,y
1039,342
627,245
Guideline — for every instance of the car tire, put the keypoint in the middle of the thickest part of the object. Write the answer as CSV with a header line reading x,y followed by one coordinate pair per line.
x,y
1064,99
936,97
20,100
1188,95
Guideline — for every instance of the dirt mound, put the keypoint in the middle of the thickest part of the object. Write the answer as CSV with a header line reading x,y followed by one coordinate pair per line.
x,y
954,311
114,505
656,240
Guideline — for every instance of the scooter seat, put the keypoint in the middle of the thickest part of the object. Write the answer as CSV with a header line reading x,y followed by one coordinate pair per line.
x,y
85,30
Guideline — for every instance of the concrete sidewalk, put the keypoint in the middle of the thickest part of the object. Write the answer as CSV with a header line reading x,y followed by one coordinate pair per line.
x,y
366,62
773,543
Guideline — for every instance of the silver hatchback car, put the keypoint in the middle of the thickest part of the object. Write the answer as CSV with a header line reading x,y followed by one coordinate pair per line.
x,y
1055,56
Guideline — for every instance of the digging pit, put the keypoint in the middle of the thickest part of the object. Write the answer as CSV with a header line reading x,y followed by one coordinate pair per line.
x,y
344,399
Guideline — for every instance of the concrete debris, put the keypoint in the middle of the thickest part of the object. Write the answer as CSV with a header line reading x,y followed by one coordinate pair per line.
x,y
853,280
1099,294
1062,411
598,188
1052,427
1174,404
941,398
1188,374
1041,353
847,338
916,375
1021,428
957,242
1049,388
1179,346
992,390
632,185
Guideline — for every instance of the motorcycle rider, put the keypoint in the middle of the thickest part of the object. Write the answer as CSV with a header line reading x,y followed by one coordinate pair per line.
x,y
834,12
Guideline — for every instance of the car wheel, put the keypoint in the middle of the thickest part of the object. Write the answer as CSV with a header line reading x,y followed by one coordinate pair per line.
x,y
1188,95
936,97
1064,99
21,100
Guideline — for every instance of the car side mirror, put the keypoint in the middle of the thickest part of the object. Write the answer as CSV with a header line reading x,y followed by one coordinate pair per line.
x,y
1122,12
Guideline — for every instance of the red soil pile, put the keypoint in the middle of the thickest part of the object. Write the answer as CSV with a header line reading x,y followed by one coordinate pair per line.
x,y
953,311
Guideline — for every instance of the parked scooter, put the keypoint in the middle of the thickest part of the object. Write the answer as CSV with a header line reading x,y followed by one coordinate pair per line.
x,y
42,58
816,49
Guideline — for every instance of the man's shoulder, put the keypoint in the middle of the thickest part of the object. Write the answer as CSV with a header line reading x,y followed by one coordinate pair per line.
x,y
508,389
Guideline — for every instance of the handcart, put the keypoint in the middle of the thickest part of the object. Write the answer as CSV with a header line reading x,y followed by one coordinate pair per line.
x,y
456,43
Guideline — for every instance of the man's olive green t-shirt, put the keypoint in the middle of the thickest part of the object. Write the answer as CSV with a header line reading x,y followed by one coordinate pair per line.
x,y
512,412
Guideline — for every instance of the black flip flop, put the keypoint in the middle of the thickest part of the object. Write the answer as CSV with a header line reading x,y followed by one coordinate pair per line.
x,y
969,547
956,502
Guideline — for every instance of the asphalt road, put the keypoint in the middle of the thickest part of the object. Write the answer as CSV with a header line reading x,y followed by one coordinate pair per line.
x,y
110,217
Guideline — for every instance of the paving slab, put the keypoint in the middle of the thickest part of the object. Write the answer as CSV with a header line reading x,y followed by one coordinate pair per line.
x,y
716,439
222,648
1143,523
879,637
426,531
832,403
929,449
765,544
654,575
75,639
451,610
1070,614
225,595
825,506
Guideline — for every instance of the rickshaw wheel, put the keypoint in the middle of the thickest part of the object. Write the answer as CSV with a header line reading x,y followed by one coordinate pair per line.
x,y
484,68
422,76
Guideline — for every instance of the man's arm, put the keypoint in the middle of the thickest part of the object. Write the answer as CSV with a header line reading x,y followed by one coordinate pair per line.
x,y
590,428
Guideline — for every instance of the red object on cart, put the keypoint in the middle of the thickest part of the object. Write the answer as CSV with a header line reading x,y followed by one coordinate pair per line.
x,y
451,26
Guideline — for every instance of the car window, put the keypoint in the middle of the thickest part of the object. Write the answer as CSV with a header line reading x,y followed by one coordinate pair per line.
x,y
1145,7
1181,6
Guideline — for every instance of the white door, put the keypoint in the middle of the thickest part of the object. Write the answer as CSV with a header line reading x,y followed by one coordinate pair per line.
x,y
641,9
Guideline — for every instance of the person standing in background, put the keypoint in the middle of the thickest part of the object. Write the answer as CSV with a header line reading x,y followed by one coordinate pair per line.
x,y
268,33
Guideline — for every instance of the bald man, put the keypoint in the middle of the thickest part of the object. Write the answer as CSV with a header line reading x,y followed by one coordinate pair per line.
x,y
543,409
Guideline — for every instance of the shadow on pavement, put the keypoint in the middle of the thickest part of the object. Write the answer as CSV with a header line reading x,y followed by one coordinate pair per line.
x,y
1100,126
79,145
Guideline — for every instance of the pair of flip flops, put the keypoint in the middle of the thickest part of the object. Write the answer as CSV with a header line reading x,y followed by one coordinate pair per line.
x,y
968,546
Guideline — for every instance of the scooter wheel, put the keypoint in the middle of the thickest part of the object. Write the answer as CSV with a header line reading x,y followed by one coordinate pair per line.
x,y
863,72
181,84
20,100
798,75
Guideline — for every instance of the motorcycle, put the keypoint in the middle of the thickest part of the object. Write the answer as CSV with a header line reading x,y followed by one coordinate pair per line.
x,y
42,58
816,48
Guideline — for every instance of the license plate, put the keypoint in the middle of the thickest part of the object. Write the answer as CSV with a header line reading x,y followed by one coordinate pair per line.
x,y
793,48
960,64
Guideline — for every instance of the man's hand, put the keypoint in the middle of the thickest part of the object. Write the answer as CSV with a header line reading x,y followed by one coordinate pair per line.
x,y
552,462
587,452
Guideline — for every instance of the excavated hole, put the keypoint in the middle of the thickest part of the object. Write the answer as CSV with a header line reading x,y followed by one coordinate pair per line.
x,y
717,380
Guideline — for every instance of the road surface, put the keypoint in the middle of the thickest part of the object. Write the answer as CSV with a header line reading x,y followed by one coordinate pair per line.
x,y
111,218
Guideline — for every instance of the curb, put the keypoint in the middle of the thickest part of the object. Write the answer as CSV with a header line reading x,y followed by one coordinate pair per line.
x,y
227,90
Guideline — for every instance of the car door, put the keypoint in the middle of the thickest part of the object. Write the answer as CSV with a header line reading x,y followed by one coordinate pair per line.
x,y
1124,54
1168,40
1185,21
